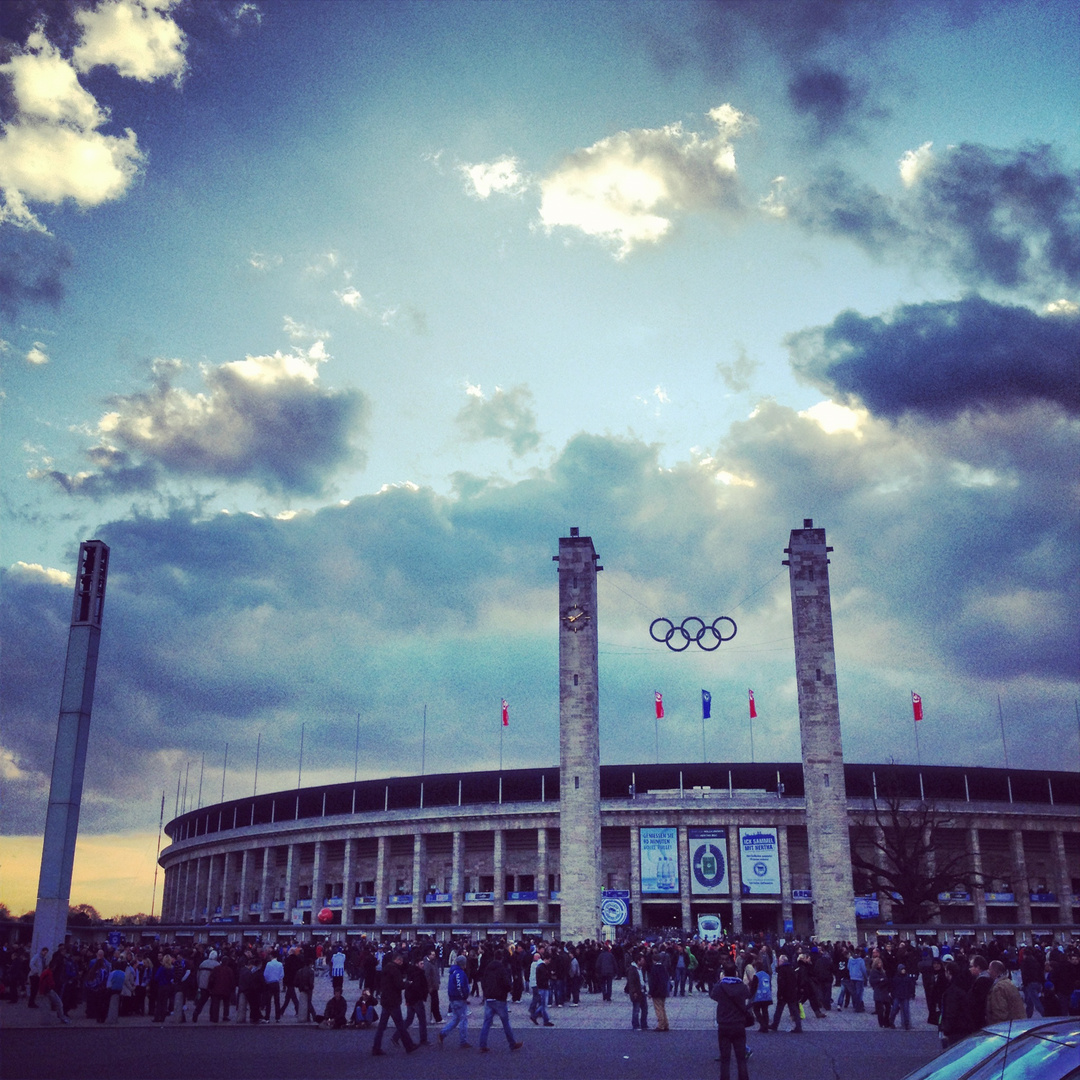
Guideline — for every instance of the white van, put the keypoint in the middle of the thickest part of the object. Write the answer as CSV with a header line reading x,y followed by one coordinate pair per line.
x,y
709,928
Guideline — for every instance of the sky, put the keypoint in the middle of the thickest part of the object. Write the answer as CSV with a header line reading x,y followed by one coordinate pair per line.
x,y
330,319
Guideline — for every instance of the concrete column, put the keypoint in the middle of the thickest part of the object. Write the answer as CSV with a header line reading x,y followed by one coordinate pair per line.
x,y
498,869
213,877
245,886
1064,879
196,891
457,872
318,879
787,911
269,866
735,877
827,825
418,882
1020,884
347,883
226,883
69,753
579,740
543,910
978,890
636,913
885,901
380,879
684,878
292,876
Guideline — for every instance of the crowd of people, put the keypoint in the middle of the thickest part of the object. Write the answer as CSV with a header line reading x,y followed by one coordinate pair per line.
x,y
754,982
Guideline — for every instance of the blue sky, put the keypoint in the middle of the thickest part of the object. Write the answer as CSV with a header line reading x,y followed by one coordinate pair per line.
x,y
331,318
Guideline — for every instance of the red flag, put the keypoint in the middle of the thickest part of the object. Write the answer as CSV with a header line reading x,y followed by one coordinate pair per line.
x,y
916,705
506,713
659,705
753,711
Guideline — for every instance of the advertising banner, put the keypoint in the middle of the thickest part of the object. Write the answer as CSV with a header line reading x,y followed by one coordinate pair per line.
x,y
660,861
708,862
759,862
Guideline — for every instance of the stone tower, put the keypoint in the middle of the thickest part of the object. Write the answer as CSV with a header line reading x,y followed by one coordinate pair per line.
x,y
69,757
579,740
819,728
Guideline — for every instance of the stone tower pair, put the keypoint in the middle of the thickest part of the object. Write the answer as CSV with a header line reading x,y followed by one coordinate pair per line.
x,y
819,726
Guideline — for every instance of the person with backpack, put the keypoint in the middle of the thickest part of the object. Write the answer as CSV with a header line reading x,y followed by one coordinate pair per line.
x,y
730,994
762,996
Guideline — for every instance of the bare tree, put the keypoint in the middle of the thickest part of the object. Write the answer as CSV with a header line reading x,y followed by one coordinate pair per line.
x,y
910,861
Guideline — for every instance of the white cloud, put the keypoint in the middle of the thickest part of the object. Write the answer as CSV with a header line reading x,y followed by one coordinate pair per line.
x,y
914,163
263,262
350,297
626,188
35,571
831,418
1062,307
137,37
37,355
502,177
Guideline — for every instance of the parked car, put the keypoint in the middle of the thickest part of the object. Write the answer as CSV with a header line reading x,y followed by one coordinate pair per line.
x,y
1036,1049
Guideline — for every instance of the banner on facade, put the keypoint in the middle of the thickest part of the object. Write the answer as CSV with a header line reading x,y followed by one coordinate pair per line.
x,y
759,862
708,862
660,861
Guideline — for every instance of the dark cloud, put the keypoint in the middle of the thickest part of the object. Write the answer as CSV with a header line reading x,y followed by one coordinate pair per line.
x,y
833,100
32,268
835,203
264,420
1008,219
507,416
940,359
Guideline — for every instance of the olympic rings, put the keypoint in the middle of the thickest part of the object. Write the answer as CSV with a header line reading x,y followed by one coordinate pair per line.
x,y
706,636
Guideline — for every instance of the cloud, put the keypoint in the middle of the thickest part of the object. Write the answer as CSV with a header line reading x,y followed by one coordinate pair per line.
x,y
737,376
940,359
32,267
501,177
136,37
955,565
506,416
52,150
627,188
37,354
1008,219
263,420
350,297
834,101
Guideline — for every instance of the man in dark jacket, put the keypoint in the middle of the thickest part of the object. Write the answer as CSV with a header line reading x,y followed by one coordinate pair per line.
x,y
787,994
416,994
659,977
390,990
497,984
730,995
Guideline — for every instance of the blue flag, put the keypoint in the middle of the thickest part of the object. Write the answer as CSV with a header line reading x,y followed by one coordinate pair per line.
x,y
706,704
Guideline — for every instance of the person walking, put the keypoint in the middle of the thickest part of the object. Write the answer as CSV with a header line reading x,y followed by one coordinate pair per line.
x,y
762,998
639,1001
497,984
787,994
457,993
390,990
541,983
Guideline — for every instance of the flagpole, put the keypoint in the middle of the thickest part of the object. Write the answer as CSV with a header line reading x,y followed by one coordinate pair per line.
x,y
656,724
356,750
202,769
187,773
157,855
423,743
258,747
224,766
501,727
300,768
751,739
1004,745
918,756
704,756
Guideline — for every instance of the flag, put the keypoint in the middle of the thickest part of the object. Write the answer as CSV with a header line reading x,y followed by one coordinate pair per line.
x,y
659,704
506,713
916,705
706,704
753,711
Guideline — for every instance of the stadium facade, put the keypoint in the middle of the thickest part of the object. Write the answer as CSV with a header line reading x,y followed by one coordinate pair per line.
x,y
571,849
